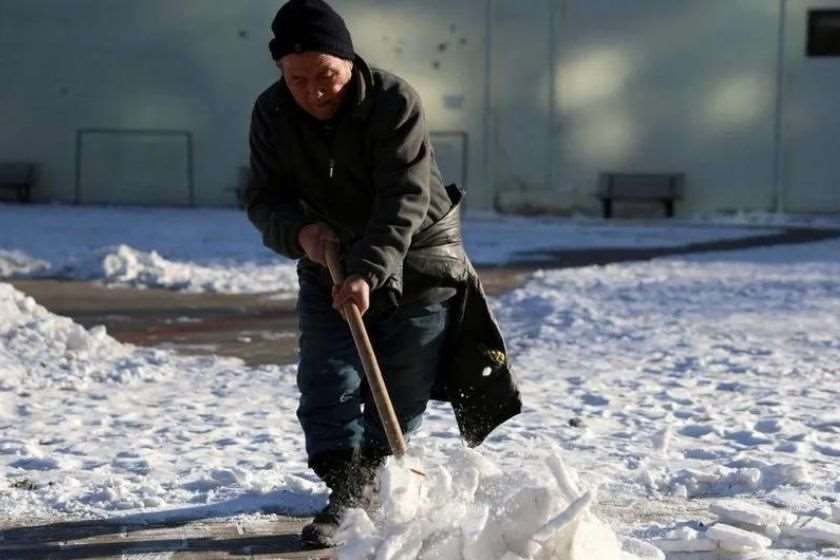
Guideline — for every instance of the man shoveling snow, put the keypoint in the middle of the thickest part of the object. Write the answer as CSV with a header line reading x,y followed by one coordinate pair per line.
x,y
340,154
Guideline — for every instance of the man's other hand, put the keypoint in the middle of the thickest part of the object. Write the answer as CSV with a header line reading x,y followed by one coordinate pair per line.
x,y
354,289
312,238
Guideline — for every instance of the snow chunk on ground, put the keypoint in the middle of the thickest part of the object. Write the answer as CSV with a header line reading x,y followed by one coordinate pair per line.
x,y
736,540
740,512
469,509
814,530
685,539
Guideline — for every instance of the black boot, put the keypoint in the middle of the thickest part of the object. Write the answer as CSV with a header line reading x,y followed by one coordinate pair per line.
x,y
336,469
320,533
347,473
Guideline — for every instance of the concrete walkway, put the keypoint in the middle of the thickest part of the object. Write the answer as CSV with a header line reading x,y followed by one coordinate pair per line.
x,y
277,539
256,328
115,540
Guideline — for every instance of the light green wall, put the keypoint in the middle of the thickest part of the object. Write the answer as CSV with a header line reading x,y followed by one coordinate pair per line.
x,y
573,87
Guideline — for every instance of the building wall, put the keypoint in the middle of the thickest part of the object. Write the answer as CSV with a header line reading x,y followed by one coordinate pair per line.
x,y
94,64
809,166
690,86
660,86
438,47
541,96
197,67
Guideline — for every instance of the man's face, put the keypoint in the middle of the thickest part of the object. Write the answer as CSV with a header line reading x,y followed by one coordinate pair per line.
x,y
318,81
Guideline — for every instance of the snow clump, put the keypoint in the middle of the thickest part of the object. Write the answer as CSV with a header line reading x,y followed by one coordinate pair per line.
x,y
470,509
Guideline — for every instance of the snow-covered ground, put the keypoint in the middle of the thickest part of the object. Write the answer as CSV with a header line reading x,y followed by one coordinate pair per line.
x,y
684,389
202,250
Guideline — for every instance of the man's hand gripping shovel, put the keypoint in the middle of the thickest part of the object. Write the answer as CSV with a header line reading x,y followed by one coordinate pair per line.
x,y
376,382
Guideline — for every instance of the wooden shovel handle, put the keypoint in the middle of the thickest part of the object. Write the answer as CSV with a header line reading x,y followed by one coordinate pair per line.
x,y
371,366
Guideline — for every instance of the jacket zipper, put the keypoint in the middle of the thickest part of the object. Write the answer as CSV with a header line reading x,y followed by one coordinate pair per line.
x,y
329,133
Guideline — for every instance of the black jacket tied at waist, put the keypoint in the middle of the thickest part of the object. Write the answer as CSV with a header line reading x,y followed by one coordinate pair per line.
x,y
476,376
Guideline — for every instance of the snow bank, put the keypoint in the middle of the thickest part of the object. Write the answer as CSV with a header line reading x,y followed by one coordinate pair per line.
x,y
190,249
122,265
39,348
218,250
470,509
18,263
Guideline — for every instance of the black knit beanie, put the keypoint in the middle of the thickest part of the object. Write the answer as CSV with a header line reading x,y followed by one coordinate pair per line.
x,y
309,25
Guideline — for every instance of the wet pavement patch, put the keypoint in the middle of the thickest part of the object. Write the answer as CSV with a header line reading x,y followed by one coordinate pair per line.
x,y
258,328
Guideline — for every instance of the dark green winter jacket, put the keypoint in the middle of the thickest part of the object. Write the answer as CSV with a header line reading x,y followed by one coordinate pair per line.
x,y
370,174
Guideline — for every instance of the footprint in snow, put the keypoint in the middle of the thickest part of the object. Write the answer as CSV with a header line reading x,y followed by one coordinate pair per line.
x,y
768,426
32,464
828,450
745,437
696,430
595,400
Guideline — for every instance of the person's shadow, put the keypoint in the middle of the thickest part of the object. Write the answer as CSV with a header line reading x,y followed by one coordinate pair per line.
x,y
169,531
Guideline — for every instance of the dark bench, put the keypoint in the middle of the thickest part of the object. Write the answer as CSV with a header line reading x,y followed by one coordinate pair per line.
x,y
640,187
19,177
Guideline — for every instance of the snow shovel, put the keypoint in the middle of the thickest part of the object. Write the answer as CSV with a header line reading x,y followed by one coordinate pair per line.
x,y
371,366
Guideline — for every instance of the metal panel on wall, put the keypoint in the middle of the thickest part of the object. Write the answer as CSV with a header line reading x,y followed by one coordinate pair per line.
x,y
451,155
810,116
142,167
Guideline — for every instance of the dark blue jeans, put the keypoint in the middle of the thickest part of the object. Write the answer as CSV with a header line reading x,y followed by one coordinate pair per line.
x,y
336,409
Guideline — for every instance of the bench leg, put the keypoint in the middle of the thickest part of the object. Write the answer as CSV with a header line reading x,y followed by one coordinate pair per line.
x,y
23,193
607,206
669,207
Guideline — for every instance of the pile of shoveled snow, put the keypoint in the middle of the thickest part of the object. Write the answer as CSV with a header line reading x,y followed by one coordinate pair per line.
x,y
39,349
18,263
122,265
218,250
469,509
